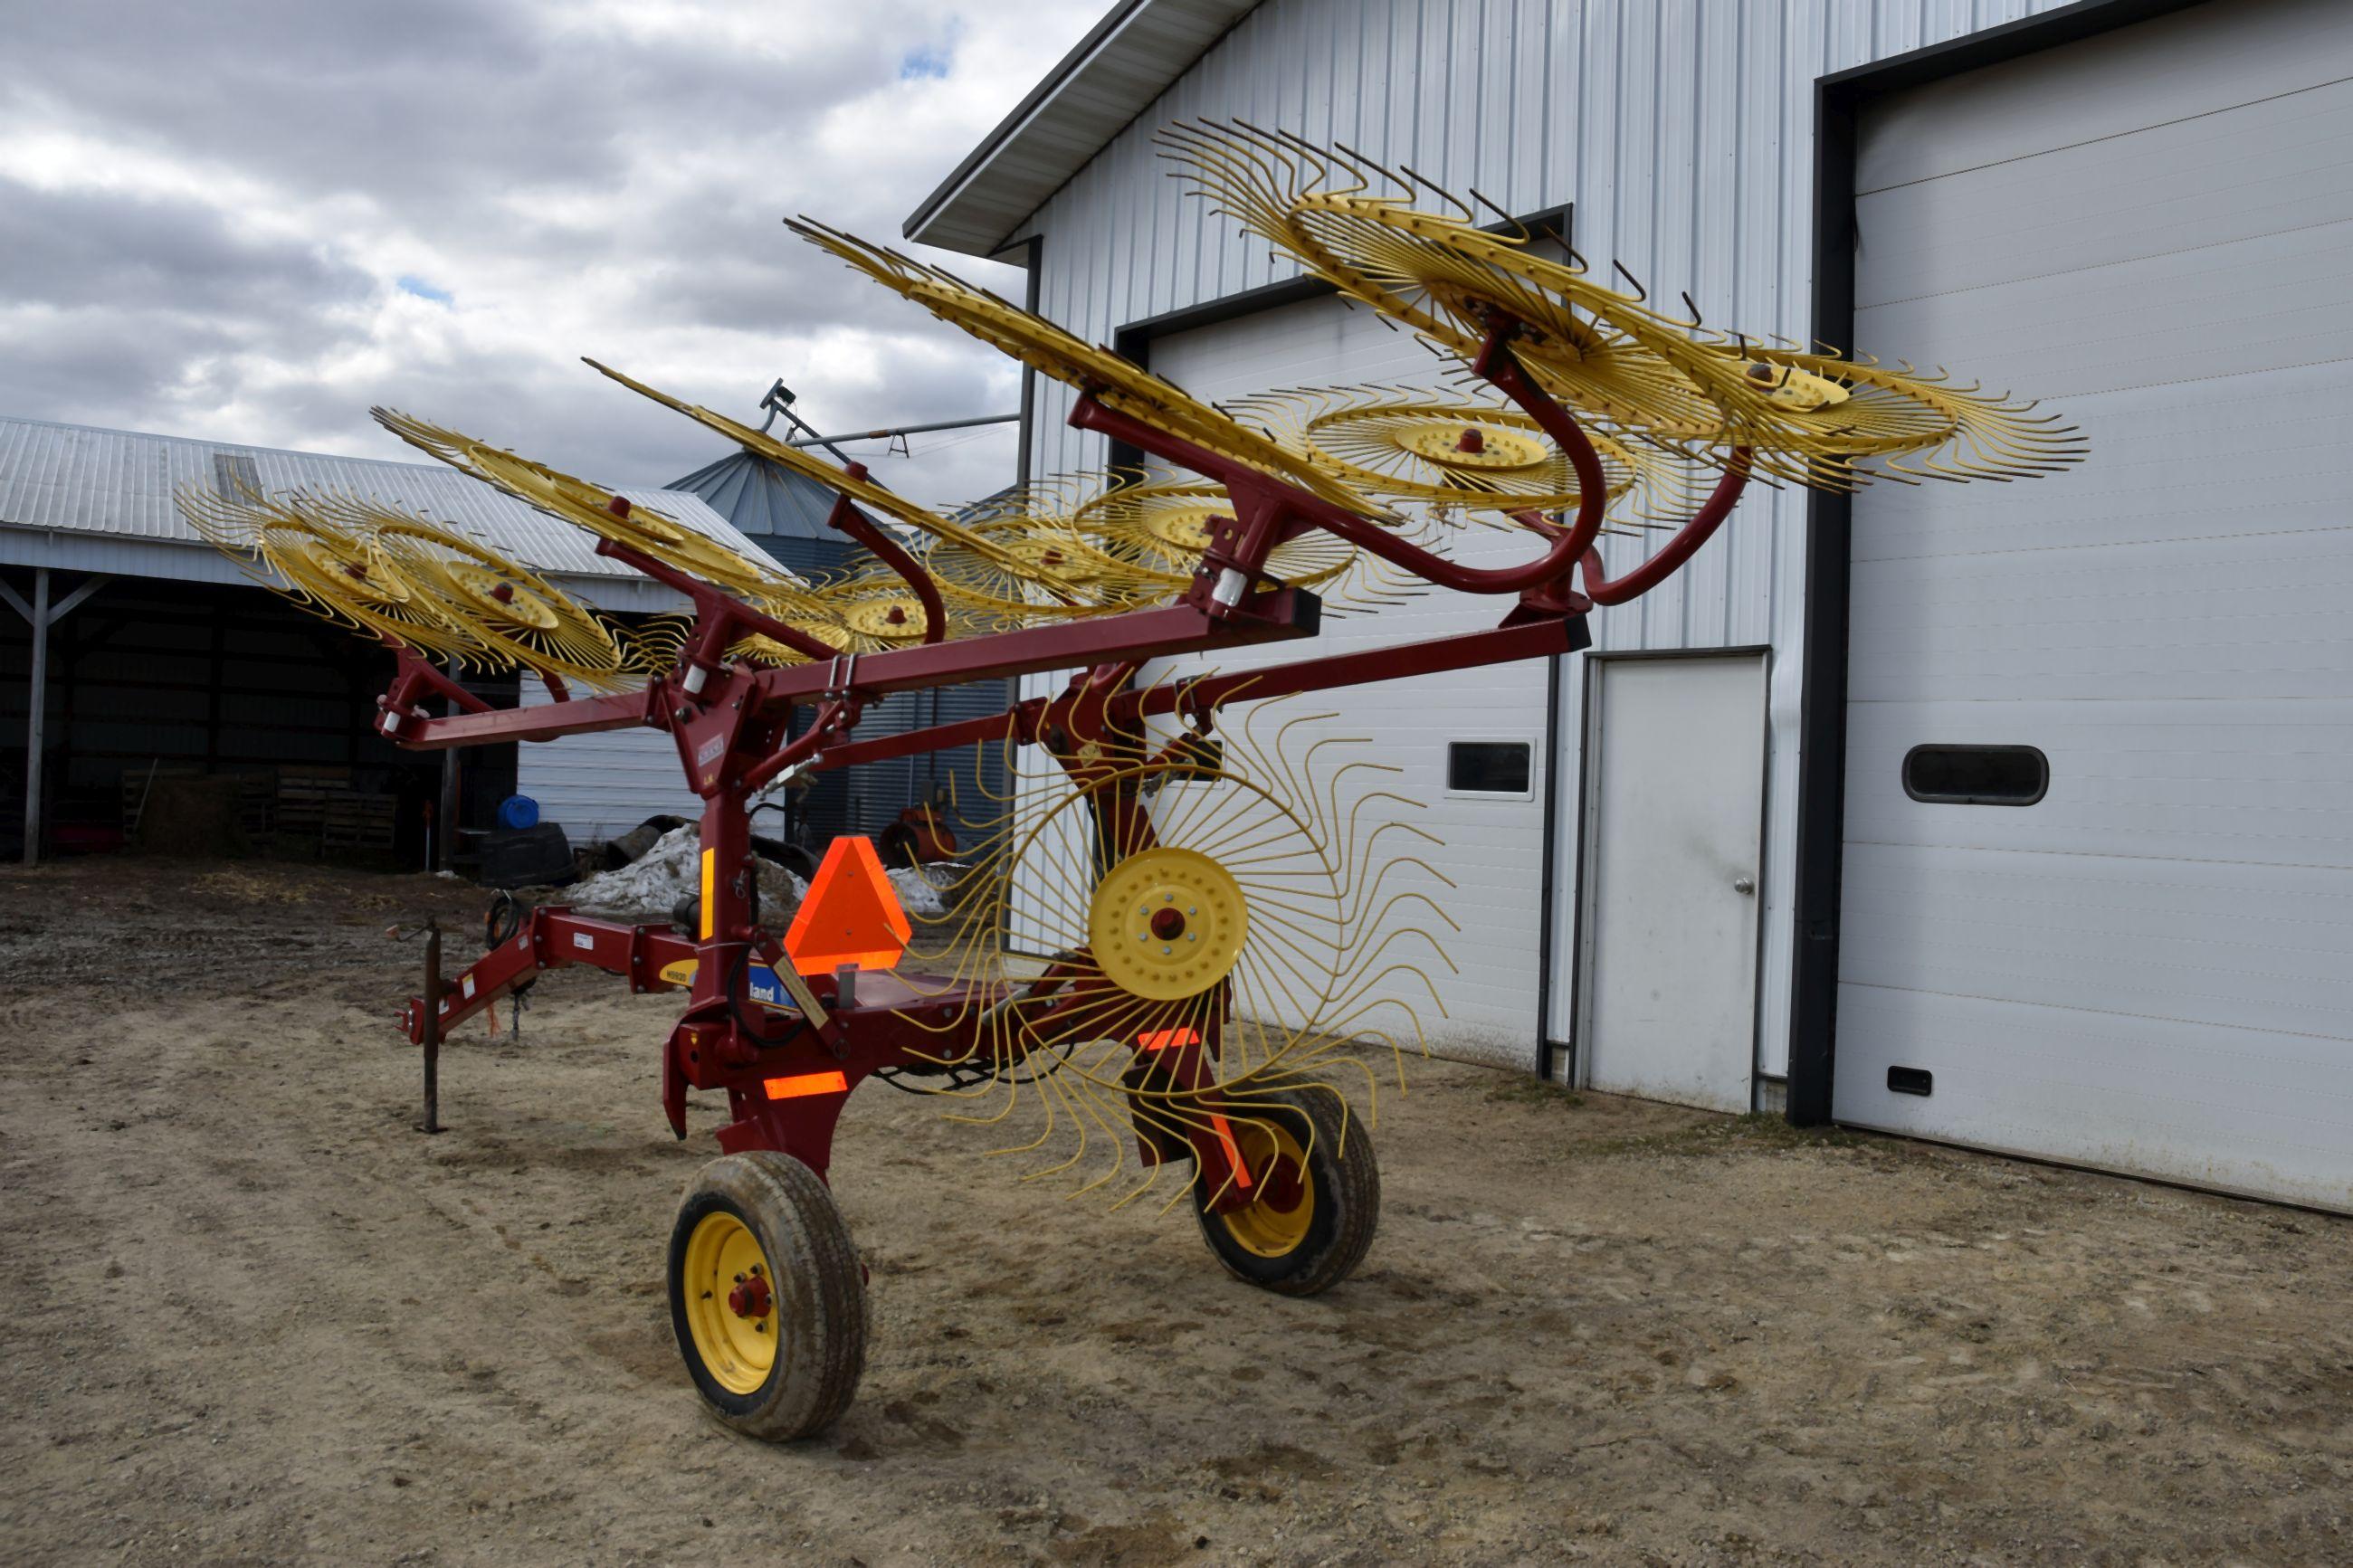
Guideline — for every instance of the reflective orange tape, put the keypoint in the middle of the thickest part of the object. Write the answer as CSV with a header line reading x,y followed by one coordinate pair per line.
x,y
1233,1153
805,1083
1163,1039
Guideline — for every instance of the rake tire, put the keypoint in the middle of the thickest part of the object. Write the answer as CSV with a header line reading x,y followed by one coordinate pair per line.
x,y
818,1291
1343,1179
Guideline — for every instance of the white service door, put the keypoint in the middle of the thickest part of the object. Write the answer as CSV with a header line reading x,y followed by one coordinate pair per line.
x,y
2151,969
1493,844
1674,817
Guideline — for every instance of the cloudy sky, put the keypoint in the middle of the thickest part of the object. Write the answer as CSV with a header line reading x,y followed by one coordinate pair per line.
x,y
249,219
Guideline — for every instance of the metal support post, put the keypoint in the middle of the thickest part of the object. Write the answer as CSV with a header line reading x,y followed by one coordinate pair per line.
x,y
432,1026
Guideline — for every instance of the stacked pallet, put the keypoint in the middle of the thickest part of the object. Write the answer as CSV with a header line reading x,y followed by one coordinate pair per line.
x,y
257,797
355,821
318,810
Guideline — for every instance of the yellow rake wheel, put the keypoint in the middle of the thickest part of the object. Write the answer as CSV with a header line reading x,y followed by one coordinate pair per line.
x,y
1114,382
865,493
1609,355
515,614
350,578
766,1296
1315,1195
589,506
1155,532
1412,444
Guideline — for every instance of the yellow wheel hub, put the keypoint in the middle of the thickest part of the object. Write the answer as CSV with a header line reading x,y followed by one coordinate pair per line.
x,y
351,575
1276,1220
1474,448
1184,528
893,618
1049,558
731,1302
1167,923
501,599
1800,391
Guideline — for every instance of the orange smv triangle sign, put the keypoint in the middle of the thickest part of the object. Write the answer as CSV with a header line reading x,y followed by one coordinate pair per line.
x,y
851,914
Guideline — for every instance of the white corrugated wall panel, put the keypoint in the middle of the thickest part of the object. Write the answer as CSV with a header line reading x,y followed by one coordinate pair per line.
x,y
600,785
1682,134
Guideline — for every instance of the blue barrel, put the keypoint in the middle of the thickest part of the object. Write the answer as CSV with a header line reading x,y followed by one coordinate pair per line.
x,y
518,811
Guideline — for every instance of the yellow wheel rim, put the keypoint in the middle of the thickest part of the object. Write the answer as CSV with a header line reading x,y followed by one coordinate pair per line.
x,y
731,1307
1167,923
1275,1223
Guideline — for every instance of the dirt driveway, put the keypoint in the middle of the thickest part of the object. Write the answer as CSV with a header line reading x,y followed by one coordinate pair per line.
x,y
247,1315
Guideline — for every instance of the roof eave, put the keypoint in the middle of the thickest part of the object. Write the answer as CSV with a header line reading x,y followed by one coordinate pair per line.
x,y
984,202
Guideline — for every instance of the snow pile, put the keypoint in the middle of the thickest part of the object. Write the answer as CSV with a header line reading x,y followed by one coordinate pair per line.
x,y
650,888
919,895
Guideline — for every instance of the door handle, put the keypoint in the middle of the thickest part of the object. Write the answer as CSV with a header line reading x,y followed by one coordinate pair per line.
x,y
1745,884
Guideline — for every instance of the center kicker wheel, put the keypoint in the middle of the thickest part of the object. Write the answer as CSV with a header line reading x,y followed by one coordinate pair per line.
x,y
1318,1195
765,1295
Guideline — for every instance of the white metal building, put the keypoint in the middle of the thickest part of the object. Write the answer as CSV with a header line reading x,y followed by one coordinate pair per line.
x,y
2017,815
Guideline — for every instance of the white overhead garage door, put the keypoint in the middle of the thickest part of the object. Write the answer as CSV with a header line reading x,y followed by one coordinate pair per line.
x,y
2150,968
1493,841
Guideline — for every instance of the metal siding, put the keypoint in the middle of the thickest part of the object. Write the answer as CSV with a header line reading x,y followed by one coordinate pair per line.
x,y
94,499
2145,969
1682,134
597,786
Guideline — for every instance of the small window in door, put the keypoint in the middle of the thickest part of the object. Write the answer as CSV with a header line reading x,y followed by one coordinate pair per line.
x,y
1976,776
1490,767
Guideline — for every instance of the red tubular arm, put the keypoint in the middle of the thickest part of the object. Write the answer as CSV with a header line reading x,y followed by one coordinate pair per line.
x,y
1604,590
846,518
718,615
1501,369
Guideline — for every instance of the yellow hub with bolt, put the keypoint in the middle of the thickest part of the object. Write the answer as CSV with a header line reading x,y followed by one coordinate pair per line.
x,y
1167,923
731,1302
1475,449
894,617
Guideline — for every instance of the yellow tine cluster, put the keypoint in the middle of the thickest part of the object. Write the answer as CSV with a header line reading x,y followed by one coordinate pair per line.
x,y
1113,381
1314,934
586,506
1618,364
413,582
514,614
873,497
1414,444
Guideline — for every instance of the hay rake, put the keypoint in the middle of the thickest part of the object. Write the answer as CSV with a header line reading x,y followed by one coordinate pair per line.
x,y
1224,901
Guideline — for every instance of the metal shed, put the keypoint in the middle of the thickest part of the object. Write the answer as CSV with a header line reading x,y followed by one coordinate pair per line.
x,y
150,651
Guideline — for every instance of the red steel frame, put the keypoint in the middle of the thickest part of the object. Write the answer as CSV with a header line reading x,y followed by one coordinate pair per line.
x,y
788,1076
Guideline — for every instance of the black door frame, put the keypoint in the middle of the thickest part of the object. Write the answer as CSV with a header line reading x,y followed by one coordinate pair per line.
x,y
1840,101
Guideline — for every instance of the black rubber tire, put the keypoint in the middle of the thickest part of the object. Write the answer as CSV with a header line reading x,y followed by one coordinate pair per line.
x,y
1343,1175
897,848
820,1293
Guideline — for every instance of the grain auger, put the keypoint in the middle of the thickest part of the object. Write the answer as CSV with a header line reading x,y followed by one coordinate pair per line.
x,y
1230,906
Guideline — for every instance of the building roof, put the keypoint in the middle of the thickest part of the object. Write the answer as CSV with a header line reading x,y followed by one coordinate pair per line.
x,y
85,498
762,497
1119,68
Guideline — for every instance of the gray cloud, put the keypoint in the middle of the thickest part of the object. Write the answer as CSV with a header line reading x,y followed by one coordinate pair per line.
x,y
211,210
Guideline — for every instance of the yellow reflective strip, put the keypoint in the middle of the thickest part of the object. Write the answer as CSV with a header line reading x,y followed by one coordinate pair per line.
x,y
710,888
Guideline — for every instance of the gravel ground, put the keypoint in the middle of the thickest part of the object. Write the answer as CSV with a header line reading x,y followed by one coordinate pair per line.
x,y
248,1315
